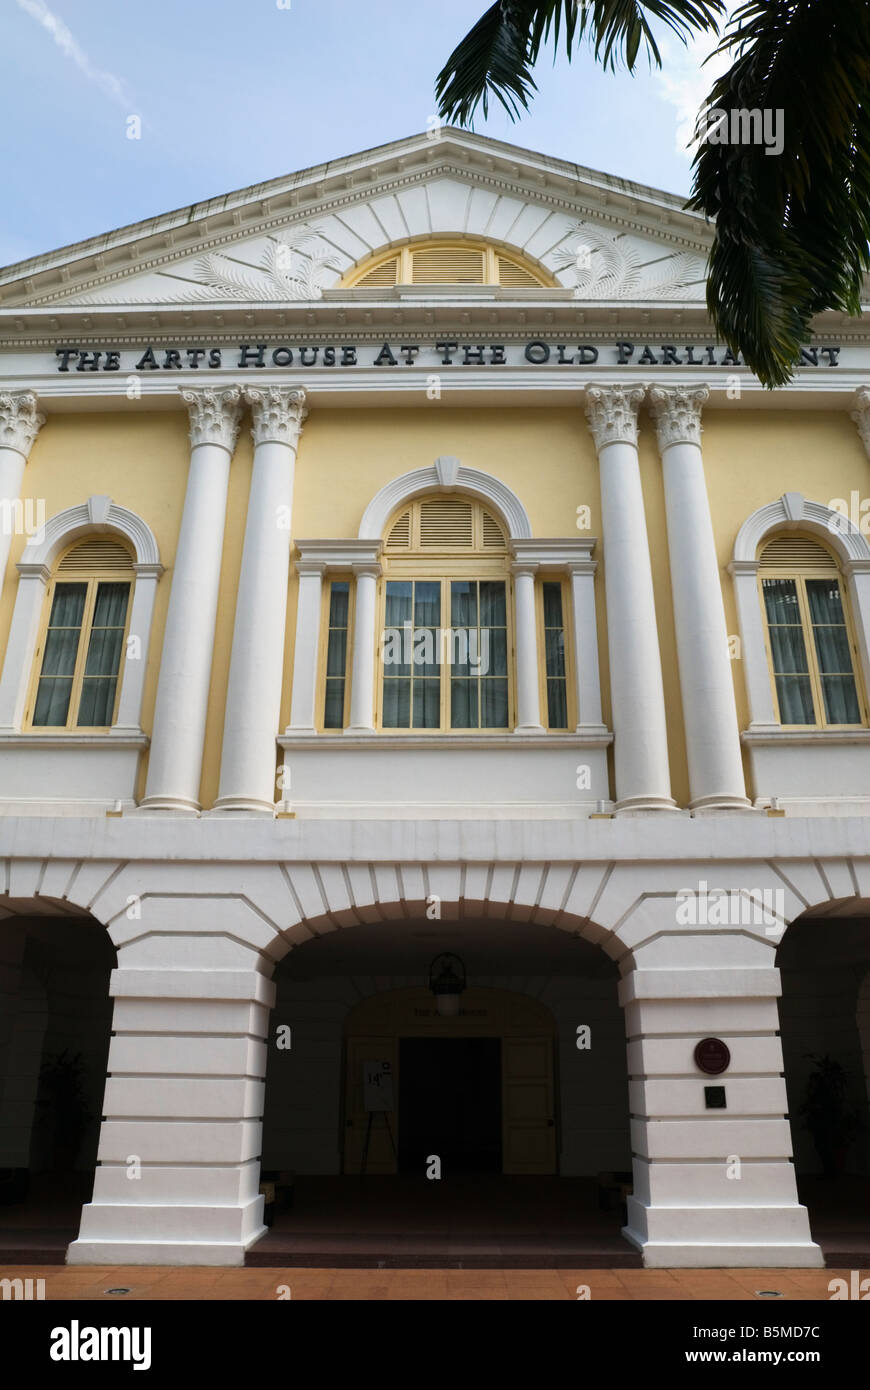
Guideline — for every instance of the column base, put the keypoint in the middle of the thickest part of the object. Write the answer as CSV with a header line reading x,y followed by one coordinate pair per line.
x,y
359,729
145,1234
709,1237
244,806
634,804
530,729
704,805
179,805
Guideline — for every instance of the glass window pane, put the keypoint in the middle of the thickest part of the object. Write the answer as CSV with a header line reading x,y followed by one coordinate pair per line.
x,y
339,603
781,600
397,704
841,700
336,652
557,706
463,603
463,704
425,651
832,649
104,651
52,703
826,603
555,644
333,717
493,604
493,651
68,605
97,703
427,704
61,648
788,650
427,603
110,609
398,606
553,605
494,704
795,700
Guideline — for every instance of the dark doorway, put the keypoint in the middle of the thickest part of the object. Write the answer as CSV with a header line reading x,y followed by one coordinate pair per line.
x,y
450,1104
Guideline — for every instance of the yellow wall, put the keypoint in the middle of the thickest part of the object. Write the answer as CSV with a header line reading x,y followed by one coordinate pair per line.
x,y
546,456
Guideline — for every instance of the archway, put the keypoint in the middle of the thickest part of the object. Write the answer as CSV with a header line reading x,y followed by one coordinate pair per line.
x,y
824,962
521,1097
55,1025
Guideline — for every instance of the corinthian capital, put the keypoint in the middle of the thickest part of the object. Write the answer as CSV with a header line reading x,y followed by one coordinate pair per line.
x,y
20,421
612,414
861,414
214,415
677,413
279,413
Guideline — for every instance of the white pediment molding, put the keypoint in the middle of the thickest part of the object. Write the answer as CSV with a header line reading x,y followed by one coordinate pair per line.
x,y
794,512
98,515
323,221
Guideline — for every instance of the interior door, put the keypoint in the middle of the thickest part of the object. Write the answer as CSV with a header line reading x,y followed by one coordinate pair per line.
x,y
529,1118
381,1158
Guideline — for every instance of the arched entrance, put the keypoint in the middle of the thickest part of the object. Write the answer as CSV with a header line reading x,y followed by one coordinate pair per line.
x,y
55,1025
824,962
528,1126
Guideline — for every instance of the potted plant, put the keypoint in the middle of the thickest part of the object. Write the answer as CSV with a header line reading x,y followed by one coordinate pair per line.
x,y
831,1121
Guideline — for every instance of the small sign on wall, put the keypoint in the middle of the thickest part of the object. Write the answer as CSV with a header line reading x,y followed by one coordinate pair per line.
x,y
712,1056
378,1085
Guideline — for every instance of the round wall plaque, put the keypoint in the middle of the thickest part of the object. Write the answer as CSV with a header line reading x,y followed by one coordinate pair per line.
x,y
712,1056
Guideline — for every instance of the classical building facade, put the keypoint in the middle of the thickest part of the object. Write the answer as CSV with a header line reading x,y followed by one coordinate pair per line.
x,y
394,564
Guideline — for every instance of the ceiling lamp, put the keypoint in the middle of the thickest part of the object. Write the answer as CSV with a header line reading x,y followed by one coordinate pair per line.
x,y
447,981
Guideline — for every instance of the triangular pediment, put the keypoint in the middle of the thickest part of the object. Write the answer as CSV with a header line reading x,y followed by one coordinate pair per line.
x,y
293,240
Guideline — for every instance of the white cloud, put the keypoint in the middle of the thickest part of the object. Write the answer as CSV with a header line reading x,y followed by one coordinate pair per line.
x,y
685,82
111,85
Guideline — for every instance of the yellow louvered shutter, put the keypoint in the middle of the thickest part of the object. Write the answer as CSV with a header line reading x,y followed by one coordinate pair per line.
x,y
96,554
791,554
448,266
446,524
400,532
381,275
514,276
493,537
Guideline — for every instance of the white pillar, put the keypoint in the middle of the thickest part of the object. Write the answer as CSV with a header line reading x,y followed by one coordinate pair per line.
x,y
248,758
640,747
175,763
129,718
362,688
586,668
526,623
20,423
716,778
303,712
17,665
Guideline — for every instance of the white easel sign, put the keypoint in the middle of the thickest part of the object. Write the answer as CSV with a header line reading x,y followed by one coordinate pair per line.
x,y
378,1085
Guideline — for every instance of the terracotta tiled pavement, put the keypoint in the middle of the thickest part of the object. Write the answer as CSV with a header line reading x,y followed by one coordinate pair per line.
x,y
89,1282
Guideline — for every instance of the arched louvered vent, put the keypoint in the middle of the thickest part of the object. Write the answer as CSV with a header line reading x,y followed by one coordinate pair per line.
x,y
790,554
446,524
400,532
514,276
384,274
96,554
493,536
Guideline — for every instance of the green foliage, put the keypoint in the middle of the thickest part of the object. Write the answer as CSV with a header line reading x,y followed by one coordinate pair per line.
x,y
792,230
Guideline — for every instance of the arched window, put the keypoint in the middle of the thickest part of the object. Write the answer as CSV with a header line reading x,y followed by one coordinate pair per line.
x,y
447,263
811,649
81,647
446,618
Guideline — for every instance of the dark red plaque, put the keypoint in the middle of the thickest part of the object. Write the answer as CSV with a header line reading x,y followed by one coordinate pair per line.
x,y
712,1056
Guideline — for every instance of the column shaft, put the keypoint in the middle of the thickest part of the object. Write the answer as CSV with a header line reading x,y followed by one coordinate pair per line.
x,y
362,689
20,423
248,758
528,685
175,763
716,777
637,693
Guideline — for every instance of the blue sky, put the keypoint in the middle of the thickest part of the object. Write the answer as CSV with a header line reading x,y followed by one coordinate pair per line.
x,y
232,92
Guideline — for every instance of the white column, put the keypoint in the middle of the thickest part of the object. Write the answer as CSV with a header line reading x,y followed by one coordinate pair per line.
x,y
303,712
175,763
362,688
586,668
640,747
17,665
129,718
716,777
20,423
526,623
248,758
